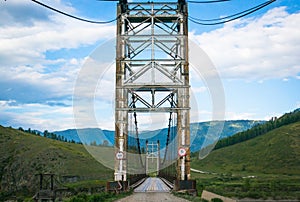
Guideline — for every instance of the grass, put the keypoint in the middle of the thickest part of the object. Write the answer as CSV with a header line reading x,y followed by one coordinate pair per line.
x,y
189,197
273,159
24,155
259,187
101,197
266,167
277,152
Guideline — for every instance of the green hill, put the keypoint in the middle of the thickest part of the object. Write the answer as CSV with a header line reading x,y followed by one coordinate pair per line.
x,y
276,152
264,167
23,155
260,129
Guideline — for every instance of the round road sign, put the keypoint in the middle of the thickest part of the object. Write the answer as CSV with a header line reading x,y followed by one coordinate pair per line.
x,y
181,152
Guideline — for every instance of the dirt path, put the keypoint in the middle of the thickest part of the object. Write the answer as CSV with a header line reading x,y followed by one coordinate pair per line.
x,y
151,197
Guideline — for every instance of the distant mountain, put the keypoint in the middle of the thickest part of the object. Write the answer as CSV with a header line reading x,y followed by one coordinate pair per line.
x,y
88,135
205,134
199,134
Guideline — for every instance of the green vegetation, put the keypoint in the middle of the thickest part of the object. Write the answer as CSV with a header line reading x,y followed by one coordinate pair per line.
x,y
261,163
189,197
48,135
23,155
259,187
101,197
276,152
260,129
267,166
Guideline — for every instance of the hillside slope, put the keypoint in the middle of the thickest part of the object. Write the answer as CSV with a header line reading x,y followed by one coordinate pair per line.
x,y
23,155
276,152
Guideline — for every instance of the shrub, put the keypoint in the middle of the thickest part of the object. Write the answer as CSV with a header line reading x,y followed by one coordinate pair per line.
x,y
216,200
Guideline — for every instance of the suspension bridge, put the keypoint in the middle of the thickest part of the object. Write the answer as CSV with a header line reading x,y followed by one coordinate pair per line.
x,y
152,76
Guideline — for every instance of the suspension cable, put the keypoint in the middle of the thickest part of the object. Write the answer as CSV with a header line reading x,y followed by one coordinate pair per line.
x,y
226,17
169,127
239,15
212,1
72,16
136,129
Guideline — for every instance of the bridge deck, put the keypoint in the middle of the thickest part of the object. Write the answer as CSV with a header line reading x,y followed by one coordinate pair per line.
x,y
152,184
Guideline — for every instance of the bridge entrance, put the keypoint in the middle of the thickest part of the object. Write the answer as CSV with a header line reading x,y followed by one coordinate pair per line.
x,y
152,76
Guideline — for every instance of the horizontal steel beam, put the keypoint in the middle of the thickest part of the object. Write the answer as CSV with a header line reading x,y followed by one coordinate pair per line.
x,y
157,87
155,3
138,19
162,109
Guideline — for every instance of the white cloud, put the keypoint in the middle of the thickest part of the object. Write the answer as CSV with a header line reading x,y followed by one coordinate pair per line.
x,y
5,103
240,116
26,40
36,90
37,73
256,48
30,43
199,89
298,104
36,116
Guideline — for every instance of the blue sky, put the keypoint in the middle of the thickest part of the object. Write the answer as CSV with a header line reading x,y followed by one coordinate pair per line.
x,y
42,53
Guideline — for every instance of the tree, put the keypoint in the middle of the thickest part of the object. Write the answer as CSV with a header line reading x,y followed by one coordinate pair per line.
x,y
46,133
105,143
93,143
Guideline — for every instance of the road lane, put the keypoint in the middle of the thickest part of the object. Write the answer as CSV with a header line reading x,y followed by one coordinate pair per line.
x,y
152,184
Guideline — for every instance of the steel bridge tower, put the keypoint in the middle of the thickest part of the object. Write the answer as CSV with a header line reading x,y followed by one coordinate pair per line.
x,y
152,60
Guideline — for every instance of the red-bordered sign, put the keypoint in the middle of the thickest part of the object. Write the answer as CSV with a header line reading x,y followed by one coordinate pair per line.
x,y
181,151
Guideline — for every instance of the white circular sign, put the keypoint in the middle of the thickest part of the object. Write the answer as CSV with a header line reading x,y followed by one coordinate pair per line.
x,y
119,155
181,152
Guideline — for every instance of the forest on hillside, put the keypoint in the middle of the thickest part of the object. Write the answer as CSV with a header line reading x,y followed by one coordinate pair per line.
x,y
260,129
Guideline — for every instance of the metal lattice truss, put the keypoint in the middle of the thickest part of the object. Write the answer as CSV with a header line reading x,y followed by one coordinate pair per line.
x,y
146,106
152,73
153,54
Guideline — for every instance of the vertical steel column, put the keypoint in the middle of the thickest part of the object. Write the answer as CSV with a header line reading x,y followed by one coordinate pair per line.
x,y
183,99
121,101
158,157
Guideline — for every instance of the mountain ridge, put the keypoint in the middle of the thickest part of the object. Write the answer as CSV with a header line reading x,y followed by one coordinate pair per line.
x,y
98,136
